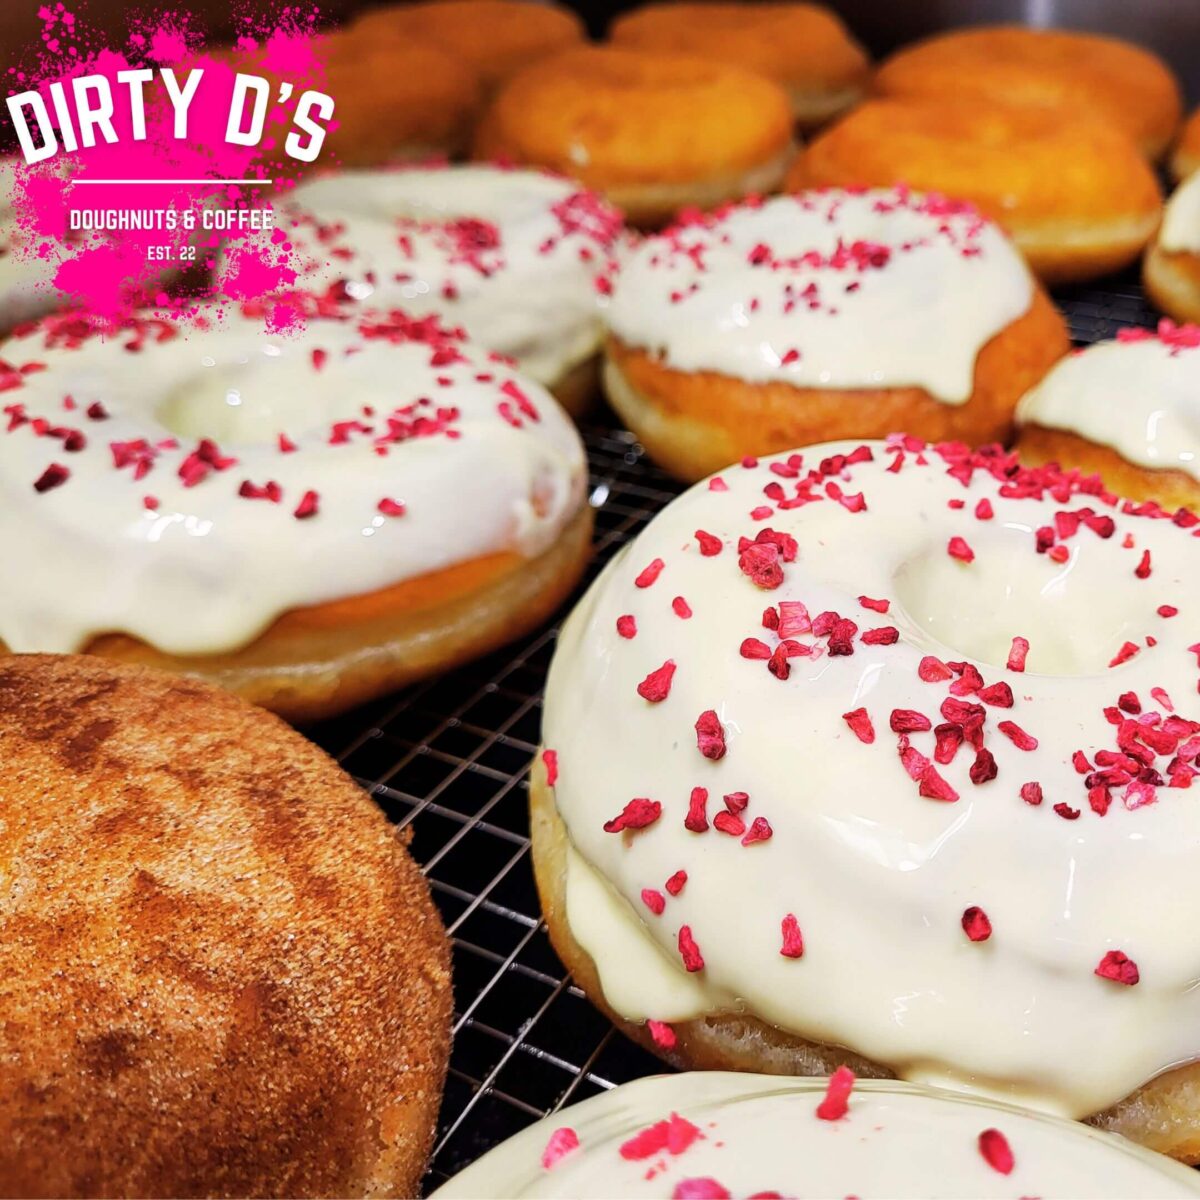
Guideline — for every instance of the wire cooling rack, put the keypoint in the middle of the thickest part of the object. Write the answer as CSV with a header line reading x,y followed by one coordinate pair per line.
x,y
449,759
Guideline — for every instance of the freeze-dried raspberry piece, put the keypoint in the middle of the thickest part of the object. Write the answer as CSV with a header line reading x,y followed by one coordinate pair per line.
x,y
637,814
934,787
663,1035
957,548
976,925
836,1103
729,823
998,695
710,735
709,545
760,831
674,885
997,1153
984,767
754,648
1031,793
697,818
793,619
1018,654
703,1188
654,900
627,626
550,760
657,685
859,721
1018,736
1118,967
933,670
649,574
793,940
693,960
907,720
885,635
841,637
562,1142
948,737
760,564
736,802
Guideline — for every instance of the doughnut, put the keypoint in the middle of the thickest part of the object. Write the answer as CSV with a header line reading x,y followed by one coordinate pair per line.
x,y
1185,159
397,100
804,47
799,737
1171,269
713,1134
308,519
1127,410
518,258
223,974
623,122
1076,197
832,313
496,37
1062,73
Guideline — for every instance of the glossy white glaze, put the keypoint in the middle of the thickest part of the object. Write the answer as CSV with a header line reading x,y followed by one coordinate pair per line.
x,y
512,256
826,289
1181,218
207,570
877,874
1139,397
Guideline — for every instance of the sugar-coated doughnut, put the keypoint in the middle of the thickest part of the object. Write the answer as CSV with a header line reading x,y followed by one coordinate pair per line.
x,y
307,518
804,47
1171,270
518,258
496,37
1185,159
880,753
398,100
710,1135
1063,73
223,974
1076,197
1127,410
840,313
624,122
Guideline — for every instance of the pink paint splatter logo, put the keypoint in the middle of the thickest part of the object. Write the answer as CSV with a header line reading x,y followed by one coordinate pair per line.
x,y
143,172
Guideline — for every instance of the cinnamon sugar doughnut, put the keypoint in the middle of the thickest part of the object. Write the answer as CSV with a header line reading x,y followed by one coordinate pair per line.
x,y
772,325
860,753
1061,73
222,974
1171,269
715,1134
1185,159
804,47
1076,197
308,518
1127,410
623,122
496,37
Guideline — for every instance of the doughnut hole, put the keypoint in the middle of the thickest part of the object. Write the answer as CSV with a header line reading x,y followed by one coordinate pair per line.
x,y
1075,614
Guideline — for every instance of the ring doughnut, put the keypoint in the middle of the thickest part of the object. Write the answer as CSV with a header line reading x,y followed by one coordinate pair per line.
x,y
1127,410
1076,197
623,122
308,519
895,820
850,313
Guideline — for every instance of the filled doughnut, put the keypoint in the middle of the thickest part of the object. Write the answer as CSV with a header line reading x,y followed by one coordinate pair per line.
x,y
879,755
496,37
306,518
1127,410
1171,270
1062,73
223,975
804,47
1185,159
518,258
829,313
1075,196
712,1135
623,122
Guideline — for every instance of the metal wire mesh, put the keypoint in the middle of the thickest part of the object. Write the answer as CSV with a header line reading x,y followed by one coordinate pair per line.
x,y
449,759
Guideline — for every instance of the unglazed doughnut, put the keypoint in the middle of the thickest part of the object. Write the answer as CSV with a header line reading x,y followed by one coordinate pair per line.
x,y
1127,410
624,122
713,1135
518,258
496,37
772,325
223,975
1062,73
869,747
804,47
1075,196
1171,271
398,100
308,519
1185,159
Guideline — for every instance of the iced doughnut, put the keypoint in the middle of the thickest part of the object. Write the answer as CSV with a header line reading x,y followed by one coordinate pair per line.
x,y
306,518
881,755
1171,269
712,1135
1127,410
518,258
830,313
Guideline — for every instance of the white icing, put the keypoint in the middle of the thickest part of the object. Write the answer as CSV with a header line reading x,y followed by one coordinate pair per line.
x,y
761,1134
209,570
531,296
1140,398
1181,218
950,283
877,875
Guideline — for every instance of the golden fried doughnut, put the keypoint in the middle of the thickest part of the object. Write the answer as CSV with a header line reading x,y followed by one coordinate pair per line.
x,y
1171,268
222,973
804,47
625,123
1185,158
1060,72
1076,197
